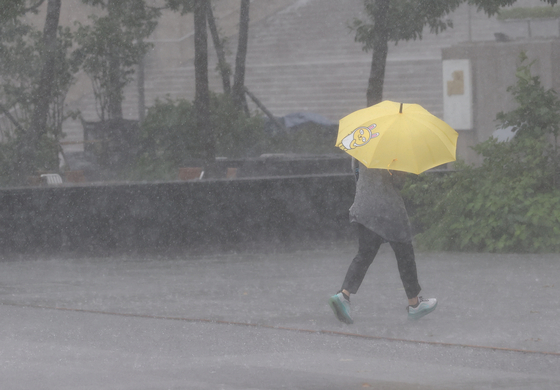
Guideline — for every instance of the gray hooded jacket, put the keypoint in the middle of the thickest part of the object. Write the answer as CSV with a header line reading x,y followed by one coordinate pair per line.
x,y
379,206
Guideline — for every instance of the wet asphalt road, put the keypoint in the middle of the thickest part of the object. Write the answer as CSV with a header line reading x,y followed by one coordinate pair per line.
x,y
261,321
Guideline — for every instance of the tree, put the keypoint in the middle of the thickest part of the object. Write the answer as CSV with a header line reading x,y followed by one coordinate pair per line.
x,y
225,70
238,91
112,46
203,14
396,20
36,74
44,92
200,10
538,111
15,8
202,92
403,20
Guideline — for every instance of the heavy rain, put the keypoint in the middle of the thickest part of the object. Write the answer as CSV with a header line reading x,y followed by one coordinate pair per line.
x,y
182,198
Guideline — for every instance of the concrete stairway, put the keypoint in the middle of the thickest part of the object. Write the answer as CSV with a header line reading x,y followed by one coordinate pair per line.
x,y
304,58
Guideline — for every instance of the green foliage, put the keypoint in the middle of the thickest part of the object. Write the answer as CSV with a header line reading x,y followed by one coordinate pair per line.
x,y
492,7
529,13
236,134
511,203
183,6
19,63
538,111
405,20
12,9
21,49
111,46
169,131
506,205
170,138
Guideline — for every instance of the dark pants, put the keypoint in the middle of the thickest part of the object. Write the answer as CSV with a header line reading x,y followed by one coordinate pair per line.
x,y
368,245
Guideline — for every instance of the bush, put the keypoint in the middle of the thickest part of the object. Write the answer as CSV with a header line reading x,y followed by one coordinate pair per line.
x,y
506,205
169,137
237,136
511,203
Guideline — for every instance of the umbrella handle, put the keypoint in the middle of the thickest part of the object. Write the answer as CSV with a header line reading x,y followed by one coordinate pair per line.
x,y
390,165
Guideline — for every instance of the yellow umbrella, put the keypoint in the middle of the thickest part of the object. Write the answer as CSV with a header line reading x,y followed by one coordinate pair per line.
x,y
397,136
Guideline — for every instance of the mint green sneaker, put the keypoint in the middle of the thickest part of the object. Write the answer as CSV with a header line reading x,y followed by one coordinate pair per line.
x,y
425,306
341,308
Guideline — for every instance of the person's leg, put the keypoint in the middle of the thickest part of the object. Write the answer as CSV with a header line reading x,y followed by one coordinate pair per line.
x,y
418,307
404,252
368,246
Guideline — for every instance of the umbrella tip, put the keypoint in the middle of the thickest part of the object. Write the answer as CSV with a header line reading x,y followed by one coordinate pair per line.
x,y
400,109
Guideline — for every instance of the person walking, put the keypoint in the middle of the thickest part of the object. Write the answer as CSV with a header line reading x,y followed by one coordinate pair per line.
x,y
380,215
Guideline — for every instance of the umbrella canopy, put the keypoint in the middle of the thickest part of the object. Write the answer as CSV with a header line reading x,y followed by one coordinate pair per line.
x,y
397,136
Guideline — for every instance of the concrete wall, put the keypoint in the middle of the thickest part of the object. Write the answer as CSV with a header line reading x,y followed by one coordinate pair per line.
x,y
210,215
494,66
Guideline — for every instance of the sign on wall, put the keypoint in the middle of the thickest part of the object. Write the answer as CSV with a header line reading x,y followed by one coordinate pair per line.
x,y
457,94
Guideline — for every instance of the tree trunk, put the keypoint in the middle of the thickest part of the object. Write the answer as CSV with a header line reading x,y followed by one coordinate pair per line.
x,y
222,64
238,92
45,87
141,90
114,106
115,92
30,142
202,92
380,50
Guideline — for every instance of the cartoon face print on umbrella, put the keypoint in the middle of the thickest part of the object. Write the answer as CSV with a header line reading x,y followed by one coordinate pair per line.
x,y
359,137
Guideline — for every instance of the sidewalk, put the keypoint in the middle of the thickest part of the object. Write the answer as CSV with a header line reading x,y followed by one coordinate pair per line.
x,y
261,321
